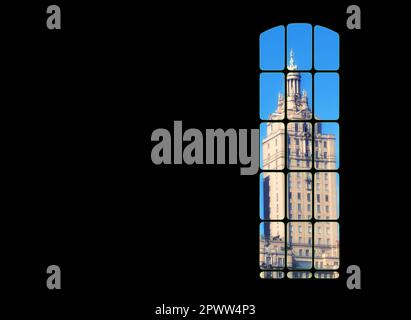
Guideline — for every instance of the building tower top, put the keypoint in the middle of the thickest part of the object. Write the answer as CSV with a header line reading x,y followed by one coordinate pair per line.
x,y
292,65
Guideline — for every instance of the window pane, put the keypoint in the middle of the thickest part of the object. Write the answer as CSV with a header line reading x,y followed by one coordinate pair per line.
x,y
326,49
299,136
272,275
299,275
298,242
272,197
299,195
327,97
326,245
326,147
272,153
272,49
299,41
272,250
326,275
272,96
327,196
299,93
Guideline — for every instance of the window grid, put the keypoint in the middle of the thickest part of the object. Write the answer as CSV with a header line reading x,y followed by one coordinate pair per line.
x,y
311,220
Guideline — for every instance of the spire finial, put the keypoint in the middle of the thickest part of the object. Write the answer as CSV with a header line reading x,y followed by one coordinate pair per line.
x,y
292,65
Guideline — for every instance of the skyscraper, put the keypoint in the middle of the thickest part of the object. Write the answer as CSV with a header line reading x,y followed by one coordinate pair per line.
x,y
308,195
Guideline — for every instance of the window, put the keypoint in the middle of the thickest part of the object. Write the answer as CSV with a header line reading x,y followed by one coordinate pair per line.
x,y
306,94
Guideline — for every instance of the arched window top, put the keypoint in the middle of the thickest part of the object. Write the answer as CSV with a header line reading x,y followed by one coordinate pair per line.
x,y
300,38
326,49
272,51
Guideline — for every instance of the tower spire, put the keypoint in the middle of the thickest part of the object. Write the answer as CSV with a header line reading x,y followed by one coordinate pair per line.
x,y
292,65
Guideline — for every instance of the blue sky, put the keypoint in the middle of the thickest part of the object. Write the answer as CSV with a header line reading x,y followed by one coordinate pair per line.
x,y
272,48
326,49
326,57
326,100
299,38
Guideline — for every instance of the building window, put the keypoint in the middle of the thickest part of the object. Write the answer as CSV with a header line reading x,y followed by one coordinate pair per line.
x,y
289,95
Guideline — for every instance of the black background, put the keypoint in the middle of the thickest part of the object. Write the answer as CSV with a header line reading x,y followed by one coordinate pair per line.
x,y
80,189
